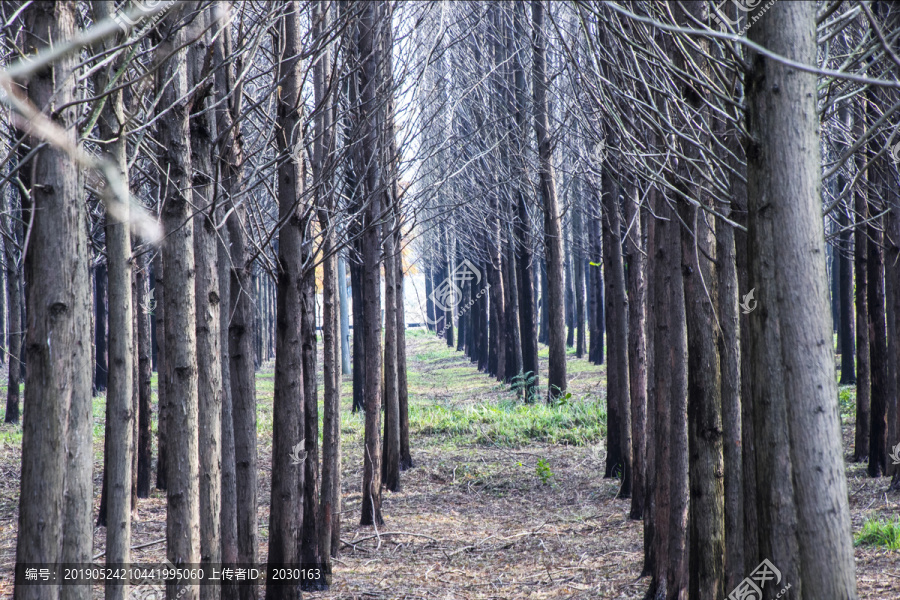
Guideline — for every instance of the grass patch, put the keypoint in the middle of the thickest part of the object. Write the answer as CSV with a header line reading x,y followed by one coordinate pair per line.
x,y
847,403
880,533
511,424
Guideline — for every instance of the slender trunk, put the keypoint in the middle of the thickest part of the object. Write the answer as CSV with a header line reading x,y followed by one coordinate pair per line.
x,y
345,314
618,395
162,379
368,49
310,552
513,337
390,466
406,461
804,489
14,282
101,367
287,509
878,346
522,225
848,373
228,514
145,374
329,507
553,250
119,396
863,364
578,270
241,324
637,351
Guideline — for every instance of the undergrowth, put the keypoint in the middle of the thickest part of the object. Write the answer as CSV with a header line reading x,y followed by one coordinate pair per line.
x,y
880,533
508,423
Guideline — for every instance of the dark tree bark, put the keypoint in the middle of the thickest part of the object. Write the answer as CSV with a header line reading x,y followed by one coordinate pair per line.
x,y
162,379
368,49
101,367
145,374
553,251
618,394
595,284
241,311
55,485
522,225
390,466
848,373
287,508
329,507
878,346
861,252
802,487
667,479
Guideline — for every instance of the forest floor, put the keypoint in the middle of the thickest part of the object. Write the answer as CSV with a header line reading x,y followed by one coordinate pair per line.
x,y
505,500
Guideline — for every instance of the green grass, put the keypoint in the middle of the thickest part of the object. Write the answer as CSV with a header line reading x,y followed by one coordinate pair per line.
x,y
880,533
847,403
508,423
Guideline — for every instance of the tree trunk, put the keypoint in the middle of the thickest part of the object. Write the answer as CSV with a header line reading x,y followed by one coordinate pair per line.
x,y
369,51
241,325
310,552
329,507
119,396
406,461
287,508
637,350
182,468
145,374
878,346
556,379
390,466
618,395
803,486
522,225
578,269
159,294
667,475
101,366
345,314
228,514
208,320
848,374
55,485
14,282
861,251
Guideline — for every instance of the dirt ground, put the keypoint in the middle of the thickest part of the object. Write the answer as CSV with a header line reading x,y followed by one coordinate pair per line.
x,y
473,520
